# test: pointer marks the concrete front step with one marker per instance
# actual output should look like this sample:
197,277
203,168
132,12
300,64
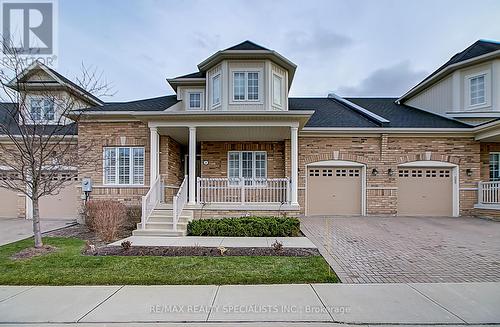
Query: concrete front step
158,232
167,219
163,225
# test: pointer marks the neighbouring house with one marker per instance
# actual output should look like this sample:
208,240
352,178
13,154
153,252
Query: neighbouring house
232,142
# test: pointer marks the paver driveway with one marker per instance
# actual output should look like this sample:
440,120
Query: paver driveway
408,249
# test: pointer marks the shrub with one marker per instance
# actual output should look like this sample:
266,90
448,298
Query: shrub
106,218
133,217
245,226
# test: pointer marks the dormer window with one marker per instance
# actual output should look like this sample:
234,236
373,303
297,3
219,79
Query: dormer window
246,86
195,101
477,90
42,110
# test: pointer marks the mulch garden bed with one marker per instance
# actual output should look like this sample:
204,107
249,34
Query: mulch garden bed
84,233
181,251
29,253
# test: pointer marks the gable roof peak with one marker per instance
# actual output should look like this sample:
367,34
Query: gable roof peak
246,45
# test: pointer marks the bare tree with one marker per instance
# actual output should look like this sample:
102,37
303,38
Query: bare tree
38,125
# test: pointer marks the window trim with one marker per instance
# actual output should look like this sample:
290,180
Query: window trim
213,103
240,167
489,166
189,93
117,166
259,85
281,78
467,90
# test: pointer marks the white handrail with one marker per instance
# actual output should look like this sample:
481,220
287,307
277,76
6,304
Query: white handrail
179,202
243,190
489,192
150,201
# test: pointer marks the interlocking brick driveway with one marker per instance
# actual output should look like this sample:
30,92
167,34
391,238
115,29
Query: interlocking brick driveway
408,249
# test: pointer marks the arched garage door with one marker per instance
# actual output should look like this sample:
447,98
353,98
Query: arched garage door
425,191
334,190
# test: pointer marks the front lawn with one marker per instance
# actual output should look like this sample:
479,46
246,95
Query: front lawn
67,266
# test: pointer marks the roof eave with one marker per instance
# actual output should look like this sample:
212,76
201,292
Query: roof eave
422,85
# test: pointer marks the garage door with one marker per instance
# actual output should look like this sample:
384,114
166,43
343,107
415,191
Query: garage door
64,205
8,203
334,191
425,192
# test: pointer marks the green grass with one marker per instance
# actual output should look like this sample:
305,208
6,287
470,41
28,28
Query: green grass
68,266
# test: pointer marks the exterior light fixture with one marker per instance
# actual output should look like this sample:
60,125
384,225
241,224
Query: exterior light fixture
390,172
468,171
374,172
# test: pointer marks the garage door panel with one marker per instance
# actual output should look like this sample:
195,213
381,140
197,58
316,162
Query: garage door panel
334,191
8,203
63,205
425,192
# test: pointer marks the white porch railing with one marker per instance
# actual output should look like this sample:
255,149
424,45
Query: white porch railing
489,193
242,190
151,200
179,201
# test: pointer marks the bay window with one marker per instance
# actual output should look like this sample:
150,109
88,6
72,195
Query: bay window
246,86
277,90
216,90
249,165
123,166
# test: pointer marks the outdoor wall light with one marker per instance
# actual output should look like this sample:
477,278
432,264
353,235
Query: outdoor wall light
468,171
390,172
374,172
205,162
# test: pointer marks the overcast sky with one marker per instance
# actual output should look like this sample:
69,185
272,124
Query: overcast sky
353,48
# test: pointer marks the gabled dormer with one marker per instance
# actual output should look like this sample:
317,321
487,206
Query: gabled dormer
245,77
44,95
466,87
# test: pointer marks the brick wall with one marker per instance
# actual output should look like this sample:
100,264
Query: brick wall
216,155
486,148
93,137
384,152
171,167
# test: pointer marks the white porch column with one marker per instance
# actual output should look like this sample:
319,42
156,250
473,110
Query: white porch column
294,143
154,145
192,165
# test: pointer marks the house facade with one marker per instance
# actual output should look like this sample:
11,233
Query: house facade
232,142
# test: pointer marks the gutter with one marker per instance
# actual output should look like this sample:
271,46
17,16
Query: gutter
416,89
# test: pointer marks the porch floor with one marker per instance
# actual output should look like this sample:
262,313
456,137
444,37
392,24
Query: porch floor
262,242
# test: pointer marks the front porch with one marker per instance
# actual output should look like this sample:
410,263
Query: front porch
220,168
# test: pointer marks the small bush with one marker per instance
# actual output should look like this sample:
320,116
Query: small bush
245,226
106,218
133,217
126,245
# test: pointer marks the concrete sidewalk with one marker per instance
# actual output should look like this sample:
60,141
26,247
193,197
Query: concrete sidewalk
421,304
212,241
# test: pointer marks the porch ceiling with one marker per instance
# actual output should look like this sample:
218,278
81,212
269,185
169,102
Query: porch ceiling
230,133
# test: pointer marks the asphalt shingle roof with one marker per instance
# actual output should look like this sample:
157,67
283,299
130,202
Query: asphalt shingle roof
193,75
246,46
478,48
332,113
153,104
328,112
8,113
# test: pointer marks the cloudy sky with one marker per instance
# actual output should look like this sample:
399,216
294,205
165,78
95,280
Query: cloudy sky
353,48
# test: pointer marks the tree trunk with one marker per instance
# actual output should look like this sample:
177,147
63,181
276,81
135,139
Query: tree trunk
37,232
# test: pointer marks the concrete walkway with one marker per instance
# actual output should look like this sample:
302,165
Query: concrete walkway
235,242
16,229
451,304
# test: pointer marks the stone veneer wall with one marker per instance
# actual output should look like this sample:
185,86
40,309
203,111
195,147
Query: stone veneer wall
384,152
216,155
93,137
171,167
486,148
